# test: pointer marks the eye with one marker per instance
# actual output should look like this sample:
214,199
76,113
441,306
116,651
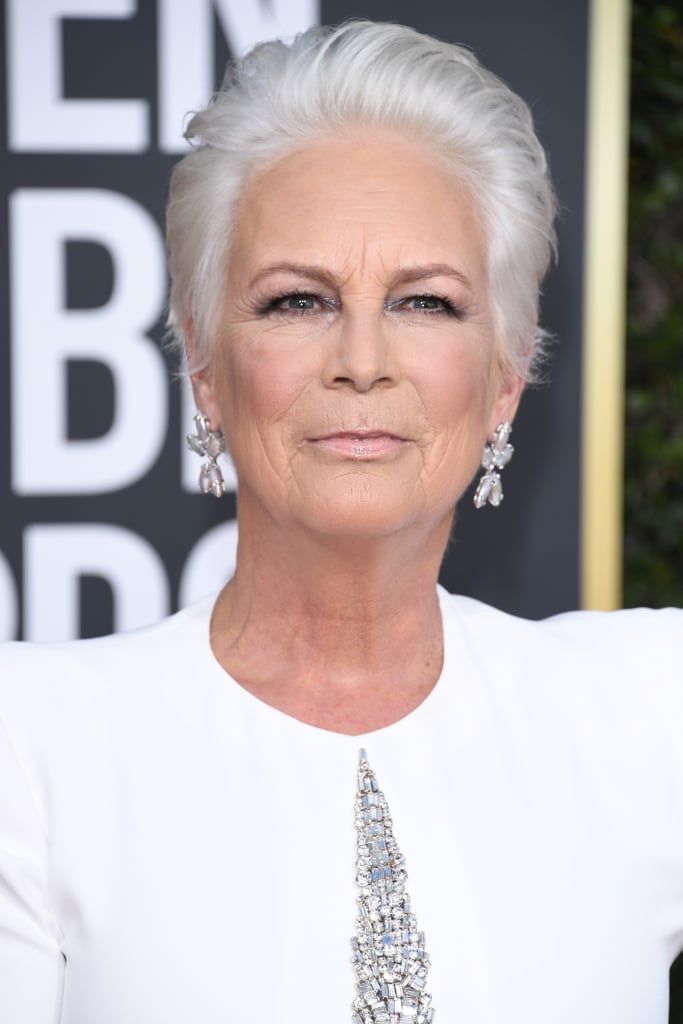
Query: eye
428,304
298,302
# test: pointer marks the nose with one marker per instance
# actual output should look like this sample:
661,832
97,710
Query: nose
361,354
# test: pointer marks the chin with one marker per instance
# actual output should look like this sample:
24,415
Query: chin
363,509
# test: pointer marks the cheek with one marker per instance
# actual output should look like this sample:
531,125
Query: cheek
260,388
457,394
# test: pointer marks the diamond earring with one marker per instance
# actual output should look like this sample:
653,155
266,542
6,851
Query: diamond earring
208,444
497,454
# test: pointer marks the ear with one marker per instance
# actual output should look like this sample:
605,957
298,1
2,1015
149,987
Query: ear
202,380
504,409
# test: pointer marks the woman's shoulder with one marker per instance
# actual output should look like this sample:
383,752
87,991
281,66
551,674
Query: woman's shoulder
145,655
589,675
637,625
624,643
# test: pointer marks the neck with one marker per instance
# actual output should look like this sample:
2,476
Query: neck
345,634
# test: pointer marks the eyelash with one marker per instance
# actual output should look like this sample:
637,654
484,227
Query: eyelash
275,305
447,307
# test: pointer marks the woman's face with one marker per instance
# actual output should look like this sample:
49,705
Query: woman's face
355,371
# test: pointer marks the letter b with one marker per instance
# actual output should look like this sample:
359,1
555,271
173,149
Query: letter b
46,335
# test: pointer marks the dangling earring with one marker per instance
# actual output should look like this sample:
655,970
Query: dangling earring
496,455
209,444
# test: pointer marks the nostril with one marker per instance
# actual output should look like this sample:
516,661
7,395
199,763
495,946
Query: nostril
359,384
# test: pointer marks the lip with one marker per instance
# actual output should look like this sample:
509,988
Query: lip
359,444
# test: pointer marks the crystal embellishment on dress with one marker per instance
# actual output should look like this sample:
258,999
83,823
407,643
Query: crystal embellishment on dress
389,957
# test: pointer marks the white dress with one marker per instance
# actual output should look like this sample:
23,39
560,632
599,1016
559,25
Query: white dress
174,851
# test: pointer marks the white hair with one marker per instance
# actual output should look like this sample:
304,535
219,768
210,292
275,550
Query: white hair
280,98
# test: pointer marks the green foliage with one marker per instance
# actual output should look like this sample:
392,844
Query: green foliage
654,389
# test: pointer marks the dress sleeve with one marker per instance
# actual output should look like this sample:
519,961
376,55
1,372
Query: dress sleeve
31,961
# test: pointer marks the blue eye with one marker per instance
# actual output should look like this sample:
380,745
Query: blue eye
297,302
428,304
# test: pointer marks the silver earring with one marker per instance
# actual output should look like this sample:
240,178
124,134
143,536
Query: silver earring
497,454
209,444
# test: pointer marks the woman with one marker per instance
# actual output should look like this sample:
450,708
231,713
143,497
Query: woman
357,242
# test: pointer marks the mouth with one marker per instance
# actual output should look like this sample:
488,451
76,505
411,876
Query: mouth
359,444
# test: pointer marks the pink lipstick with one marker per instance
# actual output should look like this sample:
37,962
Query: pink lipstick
359,444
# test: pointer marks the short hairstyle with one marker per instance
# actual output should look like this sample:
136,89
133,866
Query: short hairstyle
280,98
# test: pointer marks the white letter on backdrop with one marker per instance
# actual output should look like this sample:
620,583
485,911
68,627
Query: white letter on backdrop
57,555
186,49
8,602
45,336
40,119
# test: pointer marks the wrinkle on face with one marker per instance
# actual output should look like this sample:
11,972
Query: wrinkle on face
361,221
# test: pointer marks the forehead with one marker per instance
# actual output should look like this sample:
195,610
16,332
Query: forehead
364,196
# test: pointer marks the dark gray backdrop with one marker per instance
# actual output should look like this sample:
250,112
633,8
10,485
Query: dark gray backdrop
522,557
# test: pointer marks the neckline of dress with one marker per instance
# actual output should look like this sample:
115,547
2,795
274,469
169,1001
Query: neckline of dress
295,726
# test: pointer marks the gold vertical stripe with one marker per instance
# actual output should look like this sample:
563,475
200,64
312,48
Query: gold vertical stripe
604,305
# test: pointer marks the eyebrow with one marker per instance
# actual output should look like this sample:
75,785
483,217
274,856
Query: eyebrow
421,273
404,276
